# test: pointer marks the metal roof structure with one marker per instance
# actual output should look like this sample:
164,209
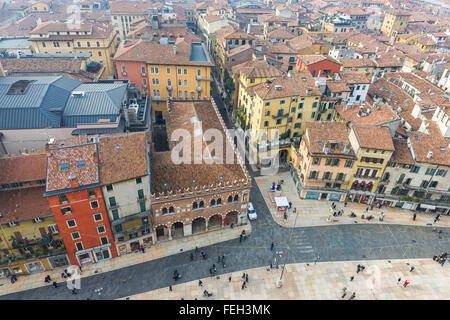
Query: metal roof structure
90,102
53,102
38,103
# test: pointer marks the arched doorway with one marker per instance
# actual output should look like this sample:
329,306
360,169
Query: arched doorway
162,233
198,225
177,230
231,218
215,222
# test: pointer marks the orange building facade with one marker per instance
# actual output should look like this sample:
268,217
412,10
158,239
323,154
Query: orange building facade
75,197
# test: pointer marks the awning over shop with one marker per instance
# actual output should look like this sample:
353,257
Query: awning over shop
282,202
427,206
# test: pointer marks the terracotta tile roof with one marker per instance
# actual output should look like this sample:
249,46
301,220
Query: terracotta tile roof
357,63
239,35
354,11
254,11
238,50
388,61
297,84
401,153
87,175
95,31
315,58
256,30
211,19
280,33
301,42
273,18
23,168
374,117
23,204
422,144
354,77
122,157
365,136
129,7
259,69
155,53
427,41
337,86
166,175
318,133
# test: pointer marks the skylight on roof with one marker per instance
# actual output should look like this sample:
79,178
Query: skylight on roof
64,166
319,143
81,163
19,87
442,149
417,138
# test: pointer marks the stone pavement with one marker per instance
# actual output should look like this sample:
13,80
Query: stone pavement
321,281
316,212
156,251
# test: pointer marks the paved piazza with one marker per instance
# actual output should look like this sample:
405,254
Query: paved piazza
379,281
332,242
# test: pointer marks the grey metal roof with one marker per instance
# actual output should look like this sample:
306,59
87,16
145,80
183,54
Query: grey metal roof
100,101
38,106
198,53
15,43
119,128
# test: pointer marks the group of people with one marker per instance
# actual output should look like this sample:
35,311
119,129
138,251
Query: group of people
441,258
243,236
176,275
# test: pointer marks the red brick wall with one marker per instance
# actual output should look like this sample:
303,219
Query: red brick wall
84,218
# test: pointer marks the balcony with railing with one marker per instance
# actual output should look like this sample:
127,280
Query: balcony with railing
133,230
360,176
139,215
318,179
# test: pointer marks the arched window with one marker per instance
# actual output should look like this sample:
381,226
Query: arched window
194,205
201,205
164,211
219,201
236,198
213,203
230,199
170,209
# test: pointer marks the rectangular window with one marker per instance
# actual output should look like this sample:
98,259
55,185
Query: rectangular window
118,228
138,180
112,201
297,125
71,223
104,240
290,119
314,105
316,161
75,235
168,70
185,83
282,101
179,70
64,166
145,220
66,210
109,187
348,163
91,193
79,246
141,193
328,162
185,71
267,104
300,105
142,206
313,115
266,123
63,199
101,229
94,204
299,116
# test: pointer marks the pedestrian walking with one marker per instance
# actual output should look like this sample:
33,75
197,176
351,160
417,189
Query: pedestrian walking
223,257
191,257
240,238
353,296
412,268
196,250
231,226
170,288
344,292
345,203
271,266
398,281
295,210
55,285
367,210
243,285
74,291
317,259
243,276
245,237
200,283
358,268
271,246
290,205
142,249
406,283
352,277
382,216
218,259
414,217
246,278
229,279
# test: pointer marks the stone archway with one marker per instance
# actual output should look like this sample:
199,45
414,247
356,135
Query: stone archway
198,225
231,218
162,233
215,222
177,230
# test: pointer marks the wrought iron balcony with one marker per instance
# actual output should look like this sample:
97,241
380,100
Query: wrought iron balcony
28,243
134,230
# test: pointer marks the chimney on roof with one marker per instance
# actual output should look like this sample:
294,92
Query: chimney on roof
175,50
73,181
430,153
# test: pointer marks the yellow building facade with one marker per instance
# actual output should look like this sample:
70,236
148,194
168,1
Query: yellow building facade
372,157
97,39
395,21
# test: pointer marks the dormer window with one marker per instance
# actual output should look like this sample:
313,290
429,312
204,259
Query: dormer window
64,166
81,163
